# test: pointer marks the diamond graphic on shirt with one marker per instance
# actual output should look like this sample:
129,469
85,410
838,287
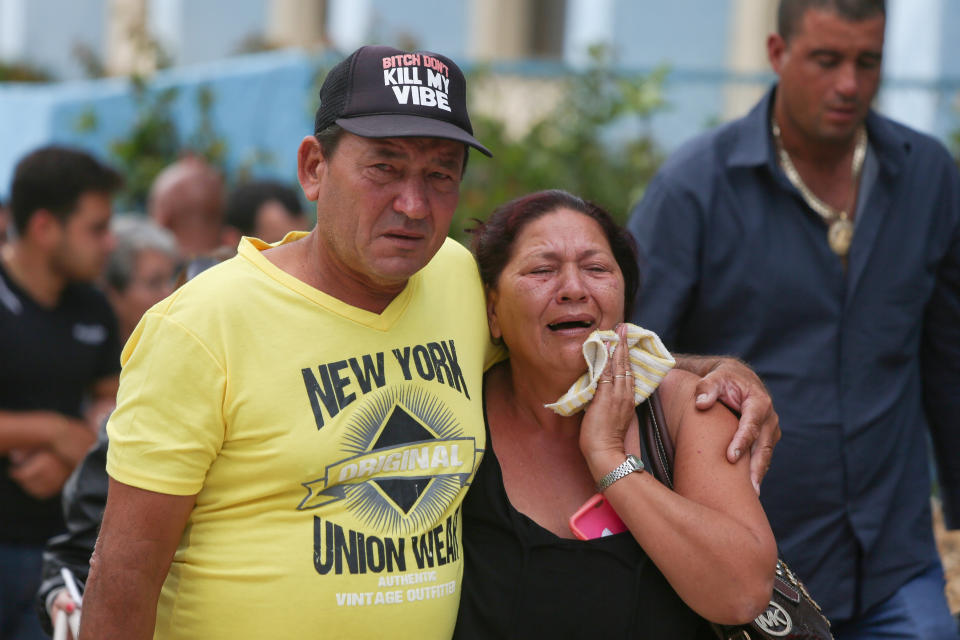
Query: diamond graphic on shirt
403,492
406,460
399,429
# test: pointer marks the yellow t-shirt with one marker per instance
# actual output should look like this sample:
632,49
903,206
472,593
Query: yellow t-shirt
329,447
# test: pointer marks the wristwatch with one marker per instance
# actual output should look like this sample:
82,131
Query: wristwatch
625,468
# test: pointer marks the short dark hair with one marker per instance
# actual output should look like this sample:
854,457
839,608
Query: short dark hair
54,178
329,137
245,201
790,12
493,240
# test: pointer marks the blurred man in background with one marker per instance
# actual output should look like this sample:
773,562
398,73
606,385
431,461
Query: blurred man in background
262,209
820,242
60,360
187,198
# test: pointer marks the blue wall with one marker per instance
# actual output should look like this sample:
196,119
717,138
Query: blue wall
690,36
263,103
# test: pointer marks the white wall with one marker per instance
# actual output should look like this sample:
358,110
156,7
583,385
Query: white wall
912,55
43,33
194,31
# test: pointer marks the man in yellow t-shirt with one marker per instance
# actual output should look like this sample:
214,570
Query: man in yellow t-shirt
296,428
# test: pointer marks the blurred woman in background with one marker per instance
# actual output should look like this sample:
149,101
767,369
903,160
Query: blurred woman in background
140,271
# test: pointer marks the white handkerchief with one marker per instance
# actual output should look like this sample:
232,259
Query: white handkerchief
649,362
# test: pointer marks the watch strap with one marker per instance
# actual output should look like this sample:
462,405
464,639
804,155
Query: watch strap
625,468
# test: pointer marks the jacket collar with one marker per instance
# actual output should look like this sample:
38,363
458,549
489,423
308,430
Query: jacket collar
753,143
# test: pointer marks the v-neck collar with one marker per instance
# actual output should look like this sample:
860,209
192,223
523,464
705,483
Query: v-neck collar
252,249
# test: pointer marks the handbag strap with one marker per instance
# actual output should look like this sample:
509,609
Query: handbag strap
655,439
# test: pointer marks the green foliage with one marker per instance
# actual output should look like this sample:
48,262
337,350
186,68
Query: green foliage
595,143
89,60
257,157
22,72
151,144
154,142
205,141
955,145
86,122
953,139
256,43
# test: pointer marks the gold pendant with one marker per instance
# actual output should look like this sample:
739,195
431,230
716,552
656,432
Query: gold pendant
839,236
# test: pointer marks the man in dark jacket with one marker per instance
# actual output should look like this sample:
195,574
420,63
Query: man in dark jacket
820,242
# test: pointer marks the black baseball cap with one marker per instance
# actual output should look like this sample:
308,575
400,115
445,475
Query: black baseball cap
382,92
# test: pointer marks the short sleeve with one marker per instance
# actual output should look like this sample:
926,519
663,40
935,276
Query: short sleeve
168,425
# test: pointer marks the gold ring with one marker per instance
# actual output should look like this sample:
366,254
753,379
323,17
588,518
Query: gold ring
604,381
618,376
628,374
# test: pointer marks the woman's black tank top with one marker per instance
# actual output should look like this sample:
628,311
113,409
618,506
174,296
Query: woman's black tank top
522,581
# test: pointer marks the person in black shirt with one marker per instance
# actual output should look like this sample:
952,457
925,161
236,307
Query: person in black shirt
58,374
557,269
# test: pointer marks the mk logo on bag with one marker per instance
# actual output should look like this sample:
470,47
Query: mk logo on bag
775,620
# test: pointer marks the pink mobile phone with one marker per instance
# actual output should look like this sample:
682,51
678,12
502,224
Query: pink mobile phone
596,519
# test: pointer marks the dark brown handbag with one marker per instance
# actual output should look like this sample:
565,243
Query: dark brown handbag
792,614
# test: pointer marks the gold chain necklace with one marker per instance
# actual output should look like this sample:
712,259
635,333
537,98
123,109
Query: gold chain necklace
839,224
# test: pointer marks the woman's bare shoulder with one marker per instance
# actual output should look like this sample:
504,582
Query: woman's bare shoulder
678,395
